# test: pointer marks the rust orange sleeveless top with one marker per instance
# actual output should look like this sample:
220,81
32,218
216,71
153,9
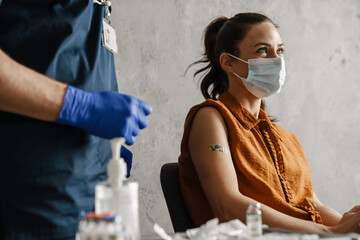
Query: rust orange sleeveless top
270,164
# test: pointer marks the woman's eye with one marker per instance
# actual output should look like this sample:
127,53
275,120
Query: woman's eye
281,51
261,50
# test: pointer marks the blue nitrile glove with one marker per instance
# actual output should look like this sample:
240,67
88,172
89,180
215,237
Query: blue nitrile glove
127,155
106,114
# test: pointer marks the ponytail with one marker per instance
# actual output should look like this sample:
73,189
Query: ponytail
214,81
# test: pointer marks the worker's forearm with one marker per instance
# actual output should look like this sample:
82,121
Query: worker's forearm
26,92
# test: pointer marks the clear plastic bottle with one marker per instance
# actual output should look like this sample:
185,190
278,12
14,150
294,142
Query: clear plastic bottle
103,198
122,200
118,195
254,220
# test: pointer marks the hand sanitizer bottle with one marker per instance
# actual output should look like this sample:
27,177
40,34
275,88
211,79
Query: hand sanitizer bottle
118,195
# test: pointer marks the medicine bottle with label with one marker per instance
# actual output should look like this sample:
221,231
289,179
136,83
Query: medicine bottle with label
253,220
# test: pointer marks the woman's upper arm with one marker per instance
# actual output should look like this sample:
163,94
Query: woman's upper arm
214,168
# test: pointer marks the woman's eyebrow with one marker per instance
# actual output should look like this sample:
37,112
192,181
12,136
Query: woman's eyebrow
262,43
268,44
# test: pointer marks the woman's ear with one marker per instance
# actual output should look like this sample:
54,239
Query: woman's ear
226,62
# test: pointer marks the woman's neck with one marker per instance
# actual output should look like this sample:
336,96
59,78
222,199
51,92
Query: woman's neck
246,99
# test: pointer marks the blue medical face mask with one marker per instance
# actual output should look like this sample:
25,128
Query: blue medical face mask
266,75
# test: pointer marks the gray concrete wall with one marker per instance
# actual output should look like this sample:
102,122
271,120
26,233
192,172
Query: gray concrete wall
158,39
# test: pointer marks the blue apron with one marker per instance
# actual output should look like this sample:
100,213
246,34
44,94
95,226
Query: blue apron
48,171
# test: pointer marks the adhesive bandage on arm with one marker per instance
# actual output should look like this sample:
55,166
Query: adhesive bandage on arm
215,147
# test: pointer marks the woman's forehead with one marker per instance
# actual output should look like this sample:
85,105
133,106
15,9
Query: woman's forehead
263,32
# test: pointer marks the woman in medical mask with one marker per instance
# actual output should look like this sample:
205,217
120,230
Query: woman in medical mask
232,154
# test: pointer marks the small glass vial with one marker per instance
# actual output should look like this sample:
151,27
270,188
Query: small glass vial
253,220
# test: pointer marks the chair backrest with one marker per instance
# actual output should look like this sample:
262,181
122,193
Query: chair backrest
169,178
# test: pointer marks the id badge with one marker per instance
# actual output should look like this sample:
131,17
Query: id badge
108,37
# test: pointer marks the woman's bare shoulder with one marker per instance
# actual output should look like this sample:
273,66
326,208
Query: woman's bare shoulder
208,123
208,113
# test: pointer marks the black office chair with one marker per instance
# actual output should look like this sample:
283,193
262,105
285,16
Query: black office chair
169,178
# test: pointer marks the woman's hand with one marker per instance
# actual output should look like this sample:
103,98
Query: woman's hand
350,222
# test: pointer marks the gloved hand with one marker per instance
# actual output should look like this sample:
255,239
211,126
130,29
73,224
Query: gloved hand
127,155
106,114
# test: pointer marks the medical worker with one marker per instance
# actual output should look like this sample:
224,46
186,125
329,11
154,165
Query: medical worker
59,106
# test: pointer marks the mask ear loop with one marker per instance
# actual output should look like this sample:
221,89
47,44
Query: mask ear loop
237,75
237,58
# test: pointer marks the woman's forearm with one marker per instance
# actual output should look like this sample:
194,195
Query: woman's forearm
330,216
274,219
